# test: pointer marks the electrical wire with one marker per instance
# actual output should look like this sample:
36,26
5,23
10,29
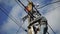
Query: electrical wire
15,21
22,8
49,25
51,29
18,3
47,5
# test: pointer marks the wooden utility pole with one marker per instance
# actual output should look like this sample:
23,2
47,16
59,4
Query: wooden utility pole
32,15
30,28
42,21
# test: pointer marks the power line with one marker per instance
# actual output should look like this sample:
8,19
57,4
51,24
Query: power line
51,29
47,5
21,7
15,21
18,4
49,25
14,18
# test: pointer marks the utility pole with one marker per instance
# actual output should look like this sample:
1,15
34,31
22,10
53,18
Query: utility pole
34,18
31,29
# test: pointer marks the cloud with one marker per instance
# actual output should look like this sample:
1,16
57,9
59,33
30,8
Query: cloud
10,27
53,18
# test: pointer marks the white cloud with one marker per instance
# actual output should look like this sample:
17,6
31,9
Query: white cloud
11,26
53,18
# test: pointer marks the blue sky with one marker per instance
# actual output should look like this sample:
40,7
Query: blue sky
7,26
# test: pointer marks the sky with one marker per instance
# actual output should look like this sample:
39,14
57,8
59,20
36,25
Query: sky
16,12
